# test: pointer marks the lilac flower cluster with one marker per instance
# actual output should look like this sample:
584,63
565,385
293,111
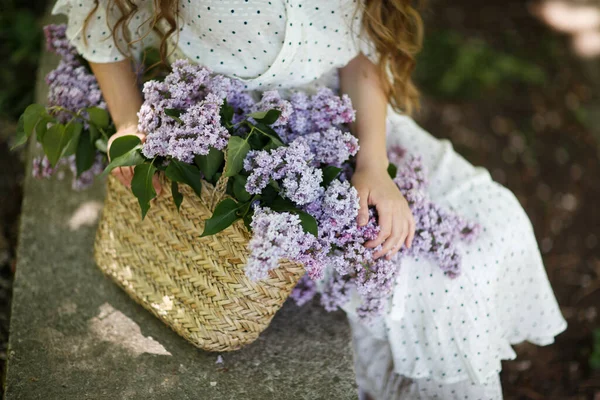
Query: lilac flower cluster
332,146
70,86
271,100
190,91
322,111
353,268
275,236
41,169
290,166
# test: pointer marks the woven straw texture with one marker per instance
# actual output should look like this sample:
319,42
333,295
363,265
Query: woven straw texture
196,285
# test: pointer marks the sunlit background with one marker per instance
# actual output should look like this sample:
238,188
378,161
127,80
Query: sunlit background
515,86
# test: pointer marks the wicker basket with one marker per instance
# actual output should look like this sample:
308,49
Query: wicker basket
196,285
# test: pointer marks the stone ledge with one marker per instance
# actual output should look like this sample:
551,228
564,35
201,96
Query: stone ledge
76,335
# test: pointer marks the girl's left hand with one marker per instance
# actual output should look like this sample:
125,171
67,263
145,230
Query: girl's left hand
396,222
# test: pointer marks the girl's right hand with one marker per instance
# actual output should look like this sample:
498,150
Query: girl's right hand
125,174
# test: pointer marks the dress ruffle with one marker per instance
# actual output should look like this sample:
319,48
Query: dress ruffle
453,330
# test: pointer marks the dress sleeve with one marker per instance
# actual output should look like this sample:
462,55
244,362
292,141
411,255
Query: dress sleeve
95,42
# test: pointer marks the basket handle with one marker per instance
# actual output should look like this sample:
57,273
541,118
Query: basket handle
220,187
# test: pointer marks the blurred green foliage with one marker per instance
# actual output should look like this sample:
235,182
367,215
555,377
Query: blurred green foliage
456,67
21,38
595,356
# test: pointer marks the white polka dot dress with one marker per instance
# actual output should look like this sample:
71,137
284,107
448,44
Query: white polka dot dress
440,338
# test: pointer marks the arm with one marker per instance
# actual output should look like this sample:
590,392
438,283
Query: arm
118,83
360,80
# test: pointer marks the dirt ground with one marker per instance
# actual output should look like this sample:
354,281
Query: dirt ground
512,97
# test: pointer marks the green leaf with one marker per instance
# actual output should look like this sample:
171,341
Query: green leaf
329,174
177,196
22,137
392,170
181,172
99,117
309,223
32,116
270,133
85,154
266,117
210,163
122,145
55,141
73,131
142,187
174,113
101,144
42,127
132,157
239,188
224,215
226,113
237,149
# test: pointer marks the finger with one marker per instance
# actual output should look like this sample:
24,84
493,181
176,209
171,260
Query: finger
385,224
141,136
400,242
392,241
411,233
127,175
156,184
117,174
363,210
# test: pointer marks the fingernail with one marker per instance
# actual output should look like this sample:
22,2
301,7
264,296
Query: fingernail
362,220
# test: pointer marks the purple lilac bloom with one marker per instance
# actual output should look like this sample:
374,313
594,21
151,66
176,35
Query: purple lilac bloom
58,43
304,291
72,87
272,100
86,178
190,90
322,111
331,147
275,236
290,166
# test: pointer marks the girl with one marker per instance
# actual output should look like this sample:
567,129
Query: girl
439,338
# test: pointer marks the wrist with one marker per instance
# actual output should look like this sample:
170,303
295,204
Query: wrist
372,163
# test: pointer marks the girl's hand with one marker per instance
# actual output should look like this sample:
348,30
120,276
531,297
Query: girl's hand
125,174
376,188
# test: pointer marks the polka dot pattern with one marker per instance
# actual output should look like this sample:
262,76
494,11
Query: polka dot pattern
455,332
440,338
277,44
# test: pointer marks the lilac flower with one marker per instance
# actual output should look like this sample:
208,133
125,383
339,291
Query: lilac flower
272,100
331,147
304,291
328,109
72,87
275,236
58,43
42,169
320,112
290,166
190,90
86,178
